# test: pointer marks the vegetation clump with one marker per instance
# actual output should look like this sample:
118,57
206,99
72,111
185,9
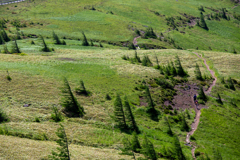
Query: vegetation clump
119,116
81,90
3,116
84,42
56,115
45,47
149,33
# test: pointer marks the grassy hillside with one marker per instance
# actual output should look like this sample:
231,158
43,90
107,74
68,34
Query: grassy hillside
116,21
28,97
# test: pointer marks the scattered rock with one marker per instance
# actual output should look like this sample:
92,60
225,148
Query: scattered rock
26,105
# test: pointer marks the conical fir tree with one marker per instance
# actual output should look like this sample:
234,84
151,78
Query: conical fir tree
180,70
1,40
198,73
71,106
178,149
56,39
15,48
135,143
118,113
63,143
202,22
219,99
184,126
201,94
5,36
85,42
129,116
151,106
169,130
148,149
45,47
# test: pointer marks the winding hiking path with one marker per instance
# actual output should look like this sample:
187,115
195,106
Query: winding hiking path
135,40
198,112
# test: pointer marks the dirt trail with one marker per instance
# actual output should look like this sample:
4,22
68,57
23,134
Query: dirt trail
198,112
135,40
17,1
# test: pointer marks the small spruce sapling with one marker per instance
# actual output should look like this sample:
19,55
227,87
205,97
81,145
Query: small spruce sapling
56,115
84,42
63,150
119,113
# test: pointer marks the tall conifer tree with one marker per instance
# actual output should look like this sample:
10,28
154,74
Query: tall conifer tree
85,42
202,22
118,113
198,73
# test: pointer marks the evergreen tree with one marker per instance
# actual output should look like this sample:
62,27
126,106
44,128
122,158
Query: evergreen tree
224,14
56,38
18,36
202,22
184,125
148,149
32,42
15,48
108,97
71,106
5,36
234,51
131,46
178,149
56,115
1,40
158,66
118,113
45,47
5,49
100,45
201,94
85,42
92,43
180,70
137,58
82,90
64,43
3,116
198,73
187,113
129,116
169,130
173,69
63,143
149,33
146,61
151,106
230,84
135,143
127,146
219,99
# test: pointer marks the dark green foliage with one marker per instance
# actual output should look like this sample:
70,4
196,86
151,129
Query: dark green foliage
64,43
175,111
149,33
118,113
100,45
223,14
56,115
135,143
178,149
179,68
171,23
131,46
216,154
184,125
1,40
169,130
201,94
222,80
158,66
5,49
124,57
187,113
230,84
234,51
202,22
201,9
3,116
198,73
36,119
148,149
84,42
197,153
91,43
137,58
63,143
81,90
71,106
9,78
108,97
127,147
56,38
32,42
18,36
219,100
151,105
45,47
15,48
146,61
164,84
5,36
130,120
137,32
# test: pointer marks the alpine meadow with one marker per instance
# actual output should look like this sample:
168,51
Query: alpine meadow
119,80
